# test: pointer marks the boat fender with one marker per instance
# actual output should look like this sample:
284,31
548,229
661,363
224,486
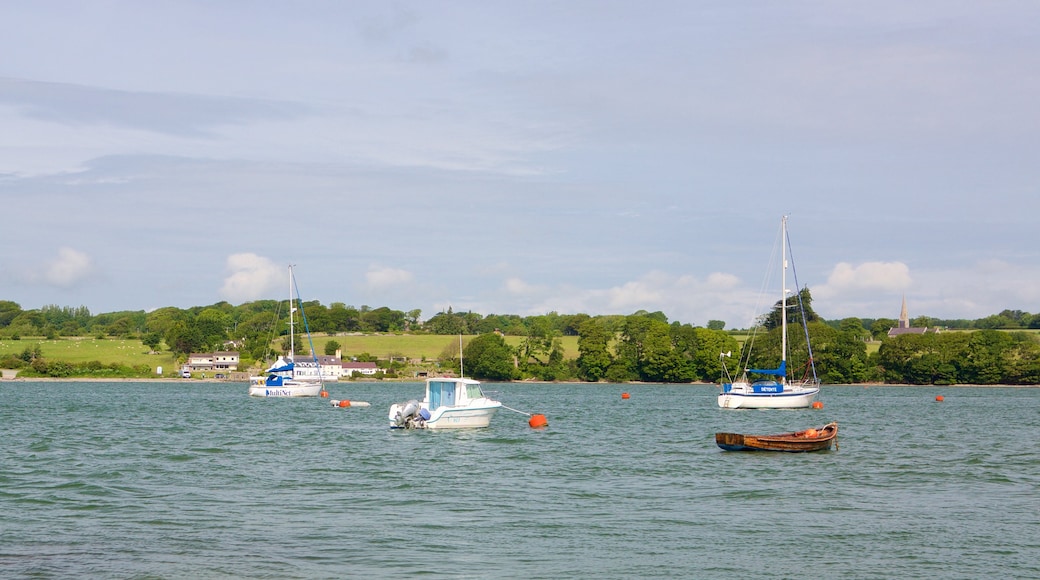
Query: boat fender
425,414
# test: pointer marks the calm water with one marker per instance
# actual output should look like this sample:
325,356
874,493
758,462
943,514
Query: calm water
175,480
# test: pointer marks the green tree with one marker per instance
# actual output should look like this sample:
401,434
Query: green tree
331,347
489,357
593,350
880,327
795,304
707,363
152,340
716,325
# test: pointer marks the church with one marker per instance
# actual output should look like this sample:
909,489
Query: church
903,326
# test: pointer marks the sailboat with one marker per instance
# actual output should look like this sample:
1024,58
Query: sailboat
773,390
281,380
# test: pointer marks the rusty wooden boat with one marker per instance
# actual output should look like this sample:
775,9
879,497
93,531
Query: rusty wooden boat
798,441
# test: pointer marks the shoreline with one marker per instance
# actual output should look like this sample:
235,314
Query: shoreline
330,383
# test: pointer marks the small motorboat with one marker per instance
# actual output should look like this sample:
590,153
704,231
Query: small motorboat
807,440
450,403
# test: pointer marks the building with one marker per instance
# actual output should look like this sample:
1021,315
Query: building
365,368
219,361
903,326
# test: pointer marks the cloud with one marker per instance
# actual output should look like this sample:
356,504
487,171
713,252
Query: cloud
169,113
252,277
868,277
69,268
684,298
383,278
517,286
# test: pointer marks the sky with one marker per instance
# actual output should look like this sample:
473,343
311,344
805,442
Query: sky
522,157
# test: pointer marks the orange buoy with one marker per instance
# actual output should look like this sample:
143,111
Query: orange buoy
939,398
344,403
810,433
324,394
624,395
817,404
537,421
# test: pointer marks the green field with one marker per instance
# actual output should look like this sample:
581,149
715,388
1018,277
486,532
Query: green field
81,350
415,346
134,353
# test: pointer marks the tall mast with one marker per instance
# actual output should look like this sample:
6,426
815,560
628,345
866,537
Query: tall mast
292,334
783,298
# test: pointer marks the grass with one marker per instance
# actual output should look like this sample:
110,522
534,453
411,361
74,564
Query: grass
134,353
81,350
415,346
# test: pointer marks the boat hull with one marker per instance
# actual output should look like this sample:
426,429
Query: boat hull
462,417
797,442
793,399
286,390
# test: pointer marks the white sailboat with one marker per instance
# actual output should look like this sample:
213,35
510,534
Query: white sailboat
774,391
280,380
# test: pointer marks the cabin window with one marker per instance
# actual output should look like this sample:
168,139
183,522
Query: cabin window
473,392
441,393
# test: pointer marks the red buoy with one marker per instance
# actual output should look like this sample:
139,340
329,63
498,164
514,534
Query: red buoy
817,405
537,421
344,403
939,398
624,395
324,394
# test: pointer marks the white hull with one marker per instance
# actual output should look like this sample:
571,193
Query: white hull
462,418
795,399
294,390
456,404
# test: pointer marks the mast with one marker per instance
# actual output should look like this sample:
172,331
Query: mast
783,297
292,334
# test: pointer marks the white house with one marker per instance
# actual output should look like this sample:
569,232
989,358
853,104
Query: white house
365,368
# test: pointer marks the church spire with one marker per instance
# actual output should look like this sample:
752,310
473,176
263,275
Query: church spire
904,317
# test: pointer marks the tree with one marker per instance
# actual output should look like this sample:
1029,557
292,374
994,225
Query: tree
488,356
184,338
880,327
152,340
707,363
795,305
593,350
716,325
331,347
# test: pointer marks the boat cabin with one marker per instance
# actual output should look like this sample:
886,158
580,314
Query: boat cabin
451,392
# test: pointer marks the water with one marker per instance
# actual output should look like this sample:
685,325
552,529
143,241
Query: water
175,480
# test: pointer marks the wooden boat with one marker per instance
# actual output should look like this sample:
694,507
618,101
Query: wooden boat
807,440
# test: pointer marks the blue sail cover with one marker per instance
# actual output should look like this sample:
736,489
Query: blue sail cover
282,369
779,372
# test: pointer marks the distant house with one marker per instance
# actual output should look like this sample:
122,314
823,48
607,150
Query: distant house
331,368
365,368
903,326
219,361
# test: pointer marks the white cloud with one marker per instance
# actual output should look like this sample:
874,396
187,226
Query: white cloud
685,298
868,277
518,286
388,278
252,277
69,268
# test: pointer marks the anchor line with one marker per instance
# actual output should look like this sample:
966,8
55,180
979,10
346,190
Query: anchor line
515,411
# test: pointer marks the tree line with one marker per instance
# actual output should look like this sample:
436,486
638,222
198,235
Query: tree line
643,346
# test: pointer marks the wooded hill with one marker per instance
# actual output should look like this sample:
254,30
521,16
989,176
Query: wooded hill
617,348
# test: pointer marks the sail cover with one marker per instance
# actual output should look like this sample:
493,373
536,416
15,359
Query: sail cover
779,372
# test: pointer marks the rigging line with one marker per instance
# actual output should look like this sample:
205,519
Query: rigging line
515,411
801,308
306,328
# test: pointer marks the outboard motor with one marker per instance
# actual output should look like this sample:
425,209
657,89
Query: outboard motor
406,415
